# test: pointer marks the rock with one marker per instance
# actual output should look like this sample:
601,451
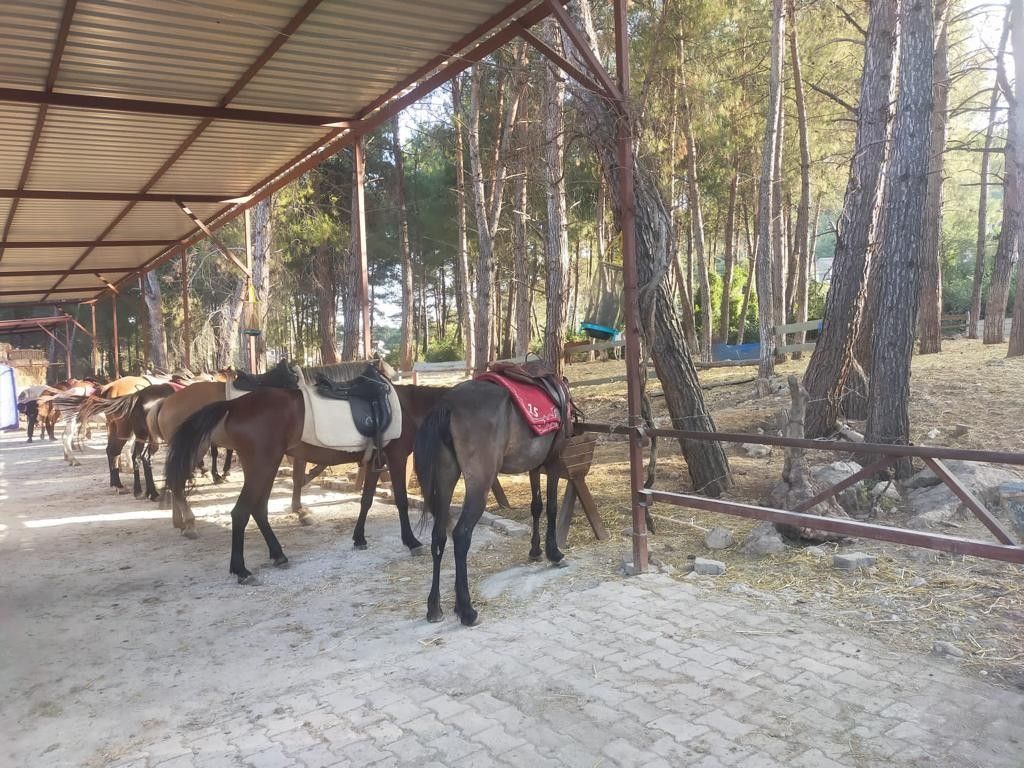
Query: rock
719,538
852,561
660,566
946,648
923,479
959,430
756,451
504,525
853,500
626,567
938,505
885,495
1010,499
820,550
706,567
763,540
933,434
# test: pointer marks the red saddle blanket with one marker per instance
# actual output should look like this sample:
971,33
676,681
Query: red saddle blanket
534,404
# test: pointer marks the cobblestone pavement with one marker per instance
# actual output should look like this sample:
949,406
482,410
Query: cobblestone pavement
127,646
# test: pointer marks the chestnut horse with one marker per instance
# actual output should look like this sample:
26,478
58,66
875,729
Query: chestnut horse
264,426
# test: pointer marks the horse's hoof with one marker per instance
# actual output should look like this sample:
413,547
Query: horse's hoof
469,617
560,563
281,560
121,491
249,581
190,533
306,517
434,618
536,558
418,551
359,545
218,480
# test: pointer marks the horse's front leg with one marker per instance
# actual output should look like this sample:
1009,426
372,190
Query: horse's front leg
137,451
554,555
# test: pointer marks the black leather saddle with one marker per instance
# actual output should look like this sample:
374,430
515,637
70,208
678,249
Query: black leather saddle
368,396
281,376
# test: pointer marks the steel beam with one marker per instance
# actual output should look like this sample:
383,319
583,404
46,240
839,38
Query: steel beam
843,526
557,59
171,109
95,349
620,92
136,197
117,340
224,250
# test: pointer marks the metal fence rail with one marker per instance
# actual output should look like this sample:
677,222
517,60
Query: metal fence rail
1006,550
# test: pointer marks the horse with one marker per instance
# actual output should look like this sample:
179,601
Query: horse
264,426
477,432
165,416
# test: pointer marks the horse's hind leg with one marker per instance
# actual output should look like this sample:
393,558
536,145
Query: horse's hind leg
536,507
370,479
554,555
115,445
228,453
446,476
137,451
259,512
214,475
306,517
147,467
397,462
462,537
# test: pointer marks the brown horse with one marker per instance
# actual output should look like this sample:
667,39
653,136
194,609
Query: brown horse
264,426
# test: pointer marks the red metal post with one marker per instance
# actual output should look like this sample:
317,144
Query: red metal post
117,341
359,203
186,324
67,347
95,350
250,295
627,206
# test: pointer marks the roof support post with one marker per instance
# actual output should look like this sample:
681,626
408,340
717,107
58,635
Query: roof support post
359,220
95,350
67,348
186,326
117,341
627,205
250,294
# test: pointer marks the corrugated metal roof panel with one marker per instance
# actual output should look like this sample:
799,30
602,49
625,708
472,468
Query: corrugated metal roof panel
25,298
82,149
62,219
118,256
19,259
231,156
183,51
27,34
158,221
17,122
348,53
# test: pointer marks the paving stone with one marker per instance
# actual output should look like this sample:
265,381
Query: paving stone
706,567
852,561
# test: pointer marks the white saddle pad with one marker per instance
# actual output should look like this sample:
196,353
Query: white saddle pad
328,423
231,393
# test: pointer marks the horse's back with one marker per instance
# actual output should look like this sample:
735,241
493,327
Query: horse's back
126,385
183,403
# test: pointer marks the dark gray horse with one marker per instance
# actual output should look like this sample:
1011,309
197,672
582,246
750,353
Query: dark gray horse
476,432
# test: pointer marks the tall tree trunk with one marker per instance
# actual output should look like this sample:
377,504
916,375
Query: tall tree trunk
741,325
262,218
725,313
556,233
986,155
780,256
467,319
929,316
766,241
1009,235
902,235
520,260
405,355
802,245
225,332
488,208
348,288
156,339
696,213
706,460
326,291
825,380
1016,346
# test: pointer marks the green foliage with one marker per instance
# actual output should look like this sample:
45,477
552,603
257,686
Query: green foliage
445,350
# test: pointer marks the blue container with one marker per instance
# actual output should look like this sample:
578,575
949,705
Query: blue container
595,331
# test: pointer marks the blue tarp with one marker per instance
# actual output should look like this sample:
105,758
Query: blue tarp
8,398
735,351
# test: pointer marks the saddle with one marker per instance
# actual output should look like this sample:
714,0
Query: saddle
368,396
281,376
539,374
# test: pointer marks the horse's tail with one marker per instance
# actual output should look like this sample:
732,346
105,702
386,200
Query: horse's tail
119,408
433,440
190,442
69,403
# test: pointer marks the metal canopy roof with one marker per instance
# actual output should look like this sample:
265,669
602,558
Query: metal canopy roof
116,114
